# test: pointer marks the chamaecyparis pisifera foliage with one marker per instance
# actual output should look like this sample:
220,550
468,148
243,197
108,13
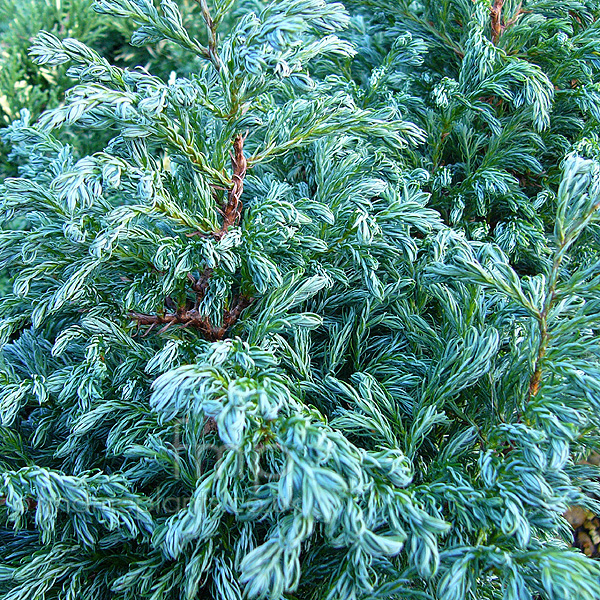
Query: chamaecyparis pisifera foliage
500,110
25,85
499,376
112,229
332,394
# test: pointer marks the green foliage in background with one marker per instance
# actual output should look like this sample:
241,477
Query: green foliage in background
23,84
319,320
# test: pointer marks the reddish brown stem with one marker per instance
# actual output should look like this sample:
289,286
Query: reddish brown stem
30,502
496,14
200,286
233,210
192,318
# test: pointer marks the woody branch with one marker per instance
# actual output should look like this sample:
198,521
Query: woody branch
496,15
190,316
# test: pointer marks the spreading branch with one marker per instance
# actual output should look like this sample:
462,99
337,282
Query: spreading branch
190,316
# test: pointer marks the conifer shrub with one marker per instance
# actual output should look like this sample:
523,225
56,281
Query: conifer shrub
319,321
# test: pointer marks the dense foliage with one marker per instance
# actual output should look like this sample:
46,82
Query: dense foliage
319,319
